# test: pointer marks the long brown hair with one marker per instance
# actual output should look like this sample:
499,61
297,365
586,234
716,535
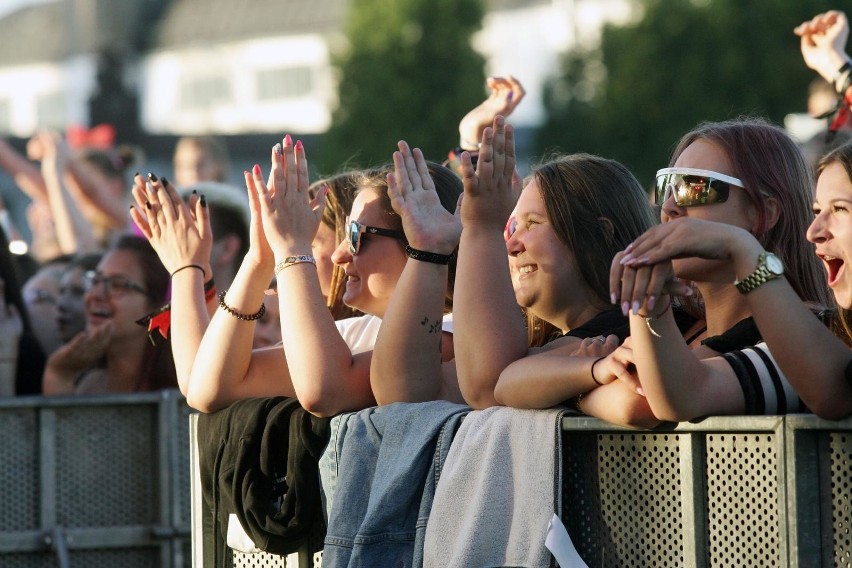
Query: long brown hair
771,165
159,366
842,324
341,192
596,207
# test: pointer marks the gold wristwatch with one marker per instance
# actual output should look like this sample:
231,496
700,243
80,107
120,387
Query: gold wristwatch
769,267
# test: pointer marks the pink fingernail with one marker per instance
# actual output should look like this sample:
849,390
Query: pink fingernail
629,248
613,298
652,300
288,141
625,307
256,169
298,144
625,259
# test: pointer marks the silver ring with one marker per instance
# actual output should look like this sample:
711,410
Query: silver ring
599,338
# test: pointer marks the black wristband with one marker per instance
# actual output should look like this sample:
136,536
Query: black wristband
425,256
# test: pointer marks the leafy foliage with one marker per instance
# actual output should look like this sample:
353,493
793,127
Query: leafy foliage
410,73
682,63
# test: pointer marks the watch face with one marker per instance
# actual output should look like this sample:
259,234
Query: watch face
774,264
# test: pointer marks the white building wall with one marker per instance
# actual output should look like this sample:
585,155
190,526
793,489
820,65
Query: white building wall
163,110
22,87
530,42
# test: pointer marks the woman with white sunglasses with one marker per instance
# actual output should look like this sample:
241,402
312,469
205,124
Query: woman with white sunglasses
735,204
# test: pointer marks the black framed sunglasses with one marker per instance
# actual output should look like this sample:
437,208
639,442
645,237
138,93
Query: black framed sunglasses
691,187
356,230
113,285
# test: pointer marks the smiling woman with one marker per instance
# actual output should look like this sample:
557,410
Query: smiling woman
113,353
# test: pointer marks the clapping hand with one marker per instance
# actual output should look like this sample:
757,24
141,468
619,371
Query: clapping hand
427,224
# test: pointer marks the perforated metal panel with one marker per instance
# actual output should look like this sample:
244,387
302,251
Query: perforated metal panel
95,478
621,498
100,482
26,561
841,497
19,474
743,500
125,558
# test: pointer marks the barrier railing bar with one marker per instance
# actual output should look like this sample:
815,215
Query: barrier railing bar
693,497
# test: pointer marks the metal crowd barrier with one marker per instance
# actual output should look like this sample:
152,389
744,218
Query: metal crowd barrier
725,491
95,481
106,482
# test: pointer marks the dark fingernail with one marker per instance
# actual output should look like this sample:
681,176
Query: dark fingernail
165,181
152,177
147,204
194,192
203,200
131,208
136,175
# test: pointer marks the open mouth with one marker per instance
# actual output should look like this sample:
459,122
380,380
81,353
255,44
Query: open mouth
527,269
834,266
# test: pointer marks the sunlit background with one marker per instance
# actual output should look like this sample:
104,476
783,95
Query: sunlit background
621,78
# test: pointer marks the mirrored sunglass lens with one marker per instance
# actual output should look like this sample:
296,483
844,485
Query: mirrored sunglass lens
353,237
662,186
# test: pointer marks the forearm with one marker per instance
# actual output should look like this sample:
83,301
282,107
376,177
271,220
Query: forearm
94,197
617,403
73,233
326,378
489,328
807,352
26,174
677,385
406,364
545,380
189,320
221,365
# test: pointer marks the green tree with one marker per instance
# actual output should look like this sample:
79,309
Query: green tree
409,73
683,62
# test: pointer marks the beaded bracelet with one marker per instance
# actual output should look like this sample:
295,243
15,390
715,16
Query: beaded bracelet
291,260
238,315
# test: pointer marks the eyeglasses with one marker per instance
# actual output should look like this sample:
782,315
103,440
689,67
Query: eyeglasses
114,286
356,229
691,187
39,297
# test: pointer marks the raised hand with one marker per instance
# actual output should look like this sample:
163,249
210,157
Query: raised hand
823,42
180,233
490,192
290,218
505,94
427,224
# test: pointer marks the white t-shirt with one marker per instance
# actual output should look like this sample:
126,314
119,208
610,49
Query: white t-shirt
360,332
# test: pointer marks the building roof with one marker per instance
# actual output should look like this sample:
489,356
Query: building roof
44,32
34,33
186,22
